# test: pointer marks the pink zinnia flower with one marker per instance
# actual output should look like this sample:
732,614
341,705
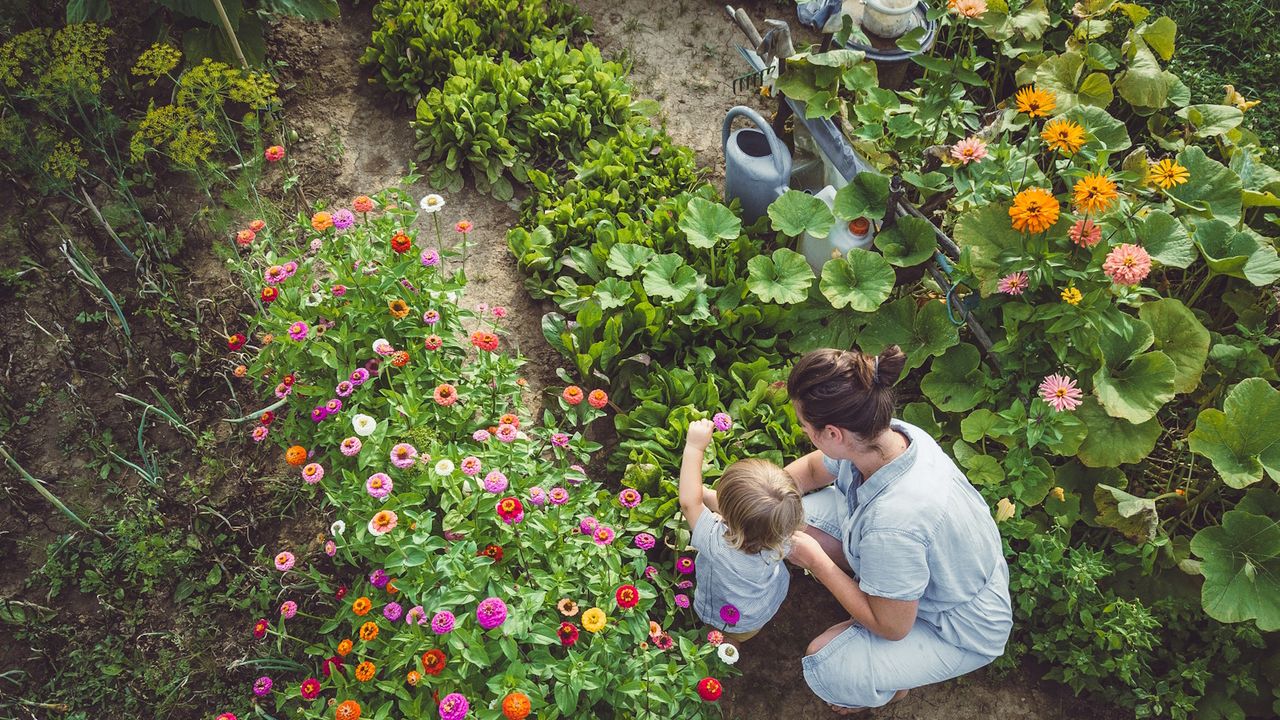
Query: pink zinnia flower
463,226
285,561
416,615
491,613
430,257
288,609
603,535
454,706
338,290
722,421
392,611
343,219
1127,264
344,388
1013,284
495,482
379,485
971,149
350,446
431,317
330,548
383,522
359,376
499,311
443,622
507,432
630,497
1085,233
481,435
645,541
588,525
715,637
537,496
682,600
1060,392
470,465
298,331
260,433
559,439
312,473
558,496
404,455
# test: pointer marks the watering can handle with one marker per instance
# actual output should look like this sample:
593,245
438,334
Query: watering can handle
781,155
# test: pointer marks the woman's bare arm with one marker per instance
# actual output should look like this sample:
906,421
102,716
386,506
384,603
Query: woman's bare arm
810,473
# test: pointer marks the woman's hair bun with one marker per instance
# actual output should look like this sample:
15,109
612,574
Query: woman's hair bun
889,364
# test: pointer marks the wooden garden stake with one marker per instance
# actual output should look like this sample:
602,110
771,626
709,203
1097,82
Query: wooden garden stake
231,33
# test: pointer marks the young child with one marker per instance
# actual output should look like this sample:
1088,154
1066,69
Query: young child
740,530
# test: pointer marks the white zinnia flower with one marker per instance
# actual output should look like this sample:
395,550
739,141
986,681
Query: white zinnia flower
337,528
364,425
444,467
431,203
728,653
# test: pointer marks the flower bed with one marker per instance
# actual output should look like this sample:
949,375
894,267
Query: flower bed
473,570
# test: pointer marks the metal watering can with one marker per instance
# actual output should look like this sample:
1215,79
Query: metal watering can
757,166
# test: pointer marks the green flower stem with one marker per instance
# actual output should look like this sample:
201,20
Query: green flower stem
47,495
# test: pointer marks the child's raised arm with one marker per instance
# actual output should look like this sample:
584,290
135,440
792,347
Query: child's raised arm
695,444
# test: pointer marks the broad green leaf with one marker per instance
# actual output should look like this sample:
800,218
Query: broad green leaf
1143,84
797,213
206,11
861,280
1034,483
1241,569
1066,434
1101,128
1166,240
954,382
612,293
867,195
1060,74
921,334
1113,441
983,470
668,276
909,241
1121,337
837,58
81,11
1160,36
988,241
920,414
1238,253
1133,516
1211,188
627,259
1243,439
1211,120
785,278
306,9
1178,334
1137,391
705,223
978,424
1032,20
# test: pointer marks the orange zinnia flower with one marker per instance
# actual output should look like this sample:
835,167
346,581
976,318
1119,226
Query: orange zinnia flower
1034,210
1168,173
445,394
398,308
365,671
295,455
1094,193
400,358
362,204
344,647
362,606
1035,102
516,706
1063,135
321,221
369,631
348,710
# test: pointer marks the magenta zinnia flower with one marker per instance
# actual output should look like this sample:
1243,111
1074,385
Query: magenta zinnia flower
730,614
359,376
682,600
1127,264
262,686
971,149
587,525
310,689
722,421
559,439
343,219
1061,392
491,612
298,331
344,388
379,578
378,485
454,707
684,564
645,541
392,611
319,413
442,622
1013,284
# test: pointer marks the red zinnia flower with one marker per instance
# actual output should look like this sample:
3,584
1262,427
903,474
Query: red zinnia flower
709,689
274,153
260,629
433,342
257,226
341,593
328,666
401,243
310,689
237,341
598,398
627,596
433,661
492,551
511,510
568,633
269,294
288,380
484,340
267,418
244,238
572,395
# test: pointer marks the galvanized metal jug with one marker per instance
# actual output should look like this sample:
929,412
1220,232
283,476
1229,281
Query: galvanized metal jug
757,166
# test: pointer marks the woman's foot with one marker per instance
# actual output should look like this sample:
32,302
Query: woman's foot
853,711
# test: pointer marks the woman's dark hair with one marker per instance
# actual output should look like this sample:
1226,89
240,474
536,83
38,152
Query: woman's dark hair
846,388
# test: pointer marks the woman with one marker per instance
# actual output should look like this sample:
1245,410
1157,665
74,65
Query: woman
896,533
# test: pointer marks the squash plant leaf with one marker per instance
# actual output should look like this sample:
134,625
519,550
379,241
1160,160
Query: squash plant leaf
1179,335
785,278
668,276
1112,441
954,383
1137,391
1243,439
1166,239
867,195
705,223
1133,516
910,241
861,280
1241,569
626,258
796,213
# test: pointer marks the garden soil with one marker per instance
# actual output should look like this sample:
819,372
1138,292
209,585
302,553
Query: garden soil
355,138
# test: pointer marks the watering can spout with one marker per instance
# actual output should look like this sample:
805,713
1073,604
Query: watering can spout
757,164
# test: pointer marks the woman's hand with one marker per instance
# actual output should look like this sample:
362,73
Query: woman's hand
806,552
699,436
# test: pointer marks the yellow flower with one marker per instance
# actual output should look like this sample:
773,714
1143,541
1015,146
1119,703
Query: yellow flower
1063,135
1168,173
1004,510
1058,494
1034,210
1072,296
1094,193
1235,98
1035,102
157,60
593,620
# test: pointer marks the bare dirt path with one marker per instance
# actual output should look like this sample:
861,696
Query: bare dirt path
357,139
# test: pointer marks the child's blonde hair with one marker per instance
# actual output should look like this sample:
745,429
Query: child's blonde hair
760,504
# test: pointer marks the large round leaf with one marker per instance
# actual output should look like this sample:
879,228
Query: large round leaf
954,383
1225,249
1241,569
668,276
1137,391
861,280
867,195
920,334
1122,337
1211,120
1244,440
627,259
909,241
987,235
1179,335
1166,239
796,213
1103,130
1212,187
785,278
1113,441
705,222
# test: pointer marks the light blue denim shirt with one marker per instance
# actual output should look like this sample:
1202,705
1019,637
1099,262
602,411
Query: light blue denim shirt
917,530
756,584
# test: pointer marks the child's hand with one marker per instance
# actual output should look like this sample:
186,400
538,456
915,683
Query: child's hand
699,434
